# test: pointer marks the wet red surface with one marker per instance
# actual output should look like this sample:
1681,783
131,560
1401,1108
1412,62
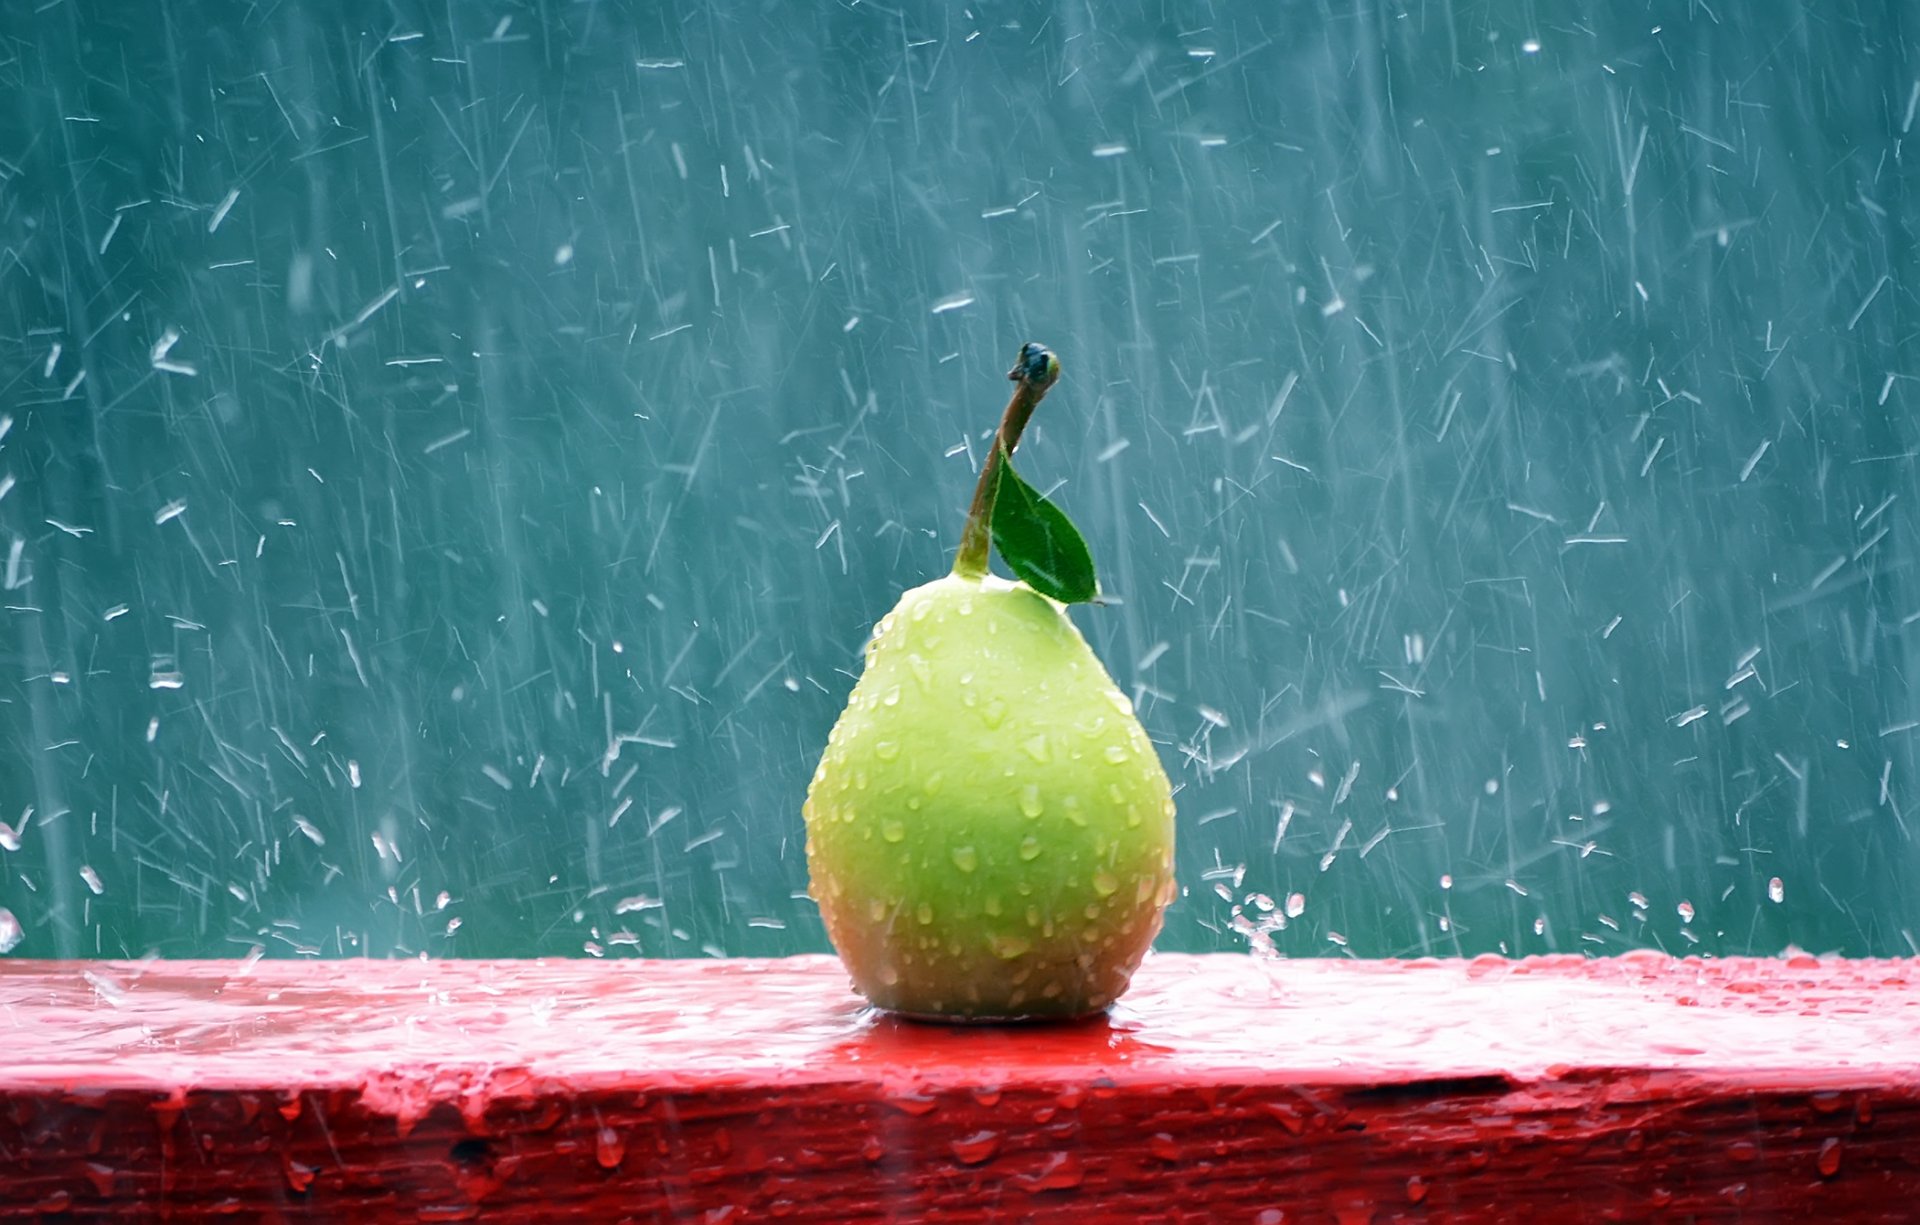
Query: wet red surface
1222,1089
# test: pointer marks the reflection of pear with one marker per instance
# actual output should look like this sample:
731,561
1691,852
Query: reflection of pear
990,833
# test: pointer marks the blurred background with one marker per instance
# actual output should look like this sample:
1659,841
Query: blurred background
451,456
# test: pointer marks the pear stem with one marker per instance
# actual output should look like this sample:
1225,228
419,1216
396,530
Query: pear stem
1034,372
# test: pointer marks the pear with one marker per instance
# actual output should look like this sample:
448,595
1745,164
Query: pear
989,832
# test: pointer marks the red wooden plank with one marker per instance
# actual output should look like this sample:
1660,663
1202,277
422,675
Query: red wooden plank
1222,1089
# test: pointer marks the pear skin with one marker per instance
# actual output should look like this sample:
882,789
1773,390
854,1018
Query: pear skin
989,832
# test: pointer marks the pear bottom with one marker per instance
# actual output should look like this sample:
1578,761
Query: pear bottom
989,832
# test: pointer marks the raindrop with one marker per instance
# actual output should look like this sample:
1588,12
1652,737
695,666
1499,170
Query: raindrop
1685,911
965,858
609,1148
1296,905
1776,890
1058,1172
1829,1159
11,933
976,1148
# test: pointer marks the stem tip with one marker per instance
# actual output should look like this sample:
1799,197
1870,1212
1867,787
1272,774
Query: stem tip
1036,365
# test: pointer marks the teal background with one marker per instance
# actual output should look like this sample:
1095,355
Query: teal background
1494,422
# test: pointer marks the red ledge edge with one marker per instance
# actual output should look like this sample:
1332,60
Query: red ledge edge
1223,1088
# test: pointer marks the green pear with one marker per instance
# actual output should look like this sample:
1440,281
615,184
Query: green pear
990,832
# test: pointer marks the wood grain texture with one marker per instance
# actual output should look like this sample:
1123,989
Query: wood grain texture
1223,1088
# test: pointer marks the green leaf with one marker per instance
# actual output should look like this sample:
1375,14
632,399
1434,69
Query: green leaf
1039,543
